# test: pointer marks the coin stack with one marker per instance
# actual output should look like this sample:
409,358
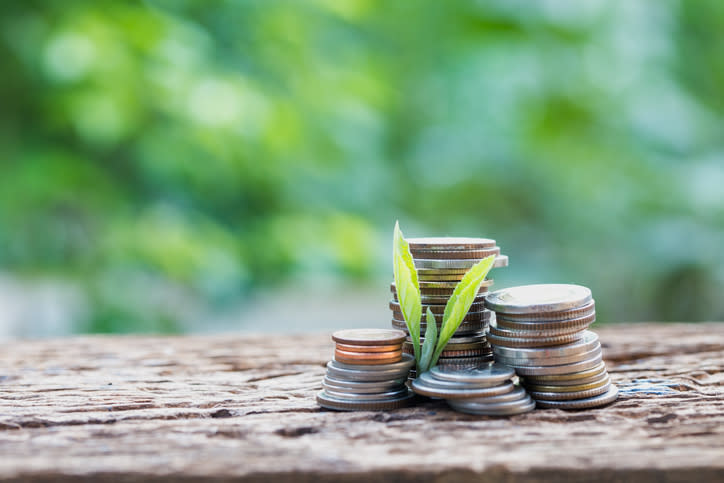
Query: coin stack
441,263
540,330
368,372
484,390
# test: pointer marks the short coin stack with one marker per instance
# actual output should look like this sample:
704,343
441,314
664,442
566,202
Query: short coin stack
368,372
441,263
484,390
540,330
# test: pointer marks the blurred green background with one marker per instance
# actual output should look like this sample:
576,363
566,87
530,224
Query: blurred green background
208,165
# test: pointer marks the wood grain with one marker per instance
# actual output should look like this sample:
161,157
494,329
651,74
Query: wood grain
242,408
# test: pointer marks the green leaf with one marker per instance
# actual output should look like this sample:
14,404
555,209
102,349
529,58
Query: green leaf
428,347
460,302
408,289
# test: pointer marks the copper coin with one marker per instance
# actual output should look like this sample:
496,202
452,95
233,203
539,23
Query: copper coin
366,362
369,336
450,243
369,348
367,356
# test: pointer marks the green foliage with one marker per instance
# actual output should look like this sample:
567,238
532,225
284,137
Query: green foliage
408,289
460,301
220,147
428,347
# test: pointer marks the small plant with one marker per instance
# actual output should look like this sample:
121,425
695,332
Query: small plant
410,300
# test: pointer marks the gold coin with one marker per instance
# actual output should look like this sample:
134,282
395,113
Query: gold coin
570,376
580,387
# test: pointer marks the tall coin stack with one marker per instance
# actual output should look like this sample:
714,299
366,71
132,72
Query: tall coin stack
368,372
441,263
541,331
484,390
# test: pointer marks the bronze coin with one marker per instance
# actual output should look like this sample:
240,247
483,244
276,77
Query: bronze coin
368,356
368,348
366,362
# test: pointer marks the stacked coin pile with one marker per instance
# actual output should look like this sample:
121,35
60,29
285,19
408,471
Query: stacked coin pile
540,330
485,390
441,263
368,372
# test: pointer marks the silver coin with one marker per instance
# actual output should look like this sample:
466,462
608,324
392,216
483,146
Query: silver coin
533,342
528,299
441,271
499,409
368,397
467,362
429,291
406,363
499,331
425,390
562,369
361,387
500,261
466,328
449,243
336,372
467,254
384,385
485,374
548,361
591,402
580,323
570,315
447,263
439,309
516,394
464,363
343,404
431,381
588,341
463,339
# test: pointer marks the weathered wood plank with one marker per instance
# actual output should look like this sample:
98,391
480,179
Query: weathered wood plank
241,408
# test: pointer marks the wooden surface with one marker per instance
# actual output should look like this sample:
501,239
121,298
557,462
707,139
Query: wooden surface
242,408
